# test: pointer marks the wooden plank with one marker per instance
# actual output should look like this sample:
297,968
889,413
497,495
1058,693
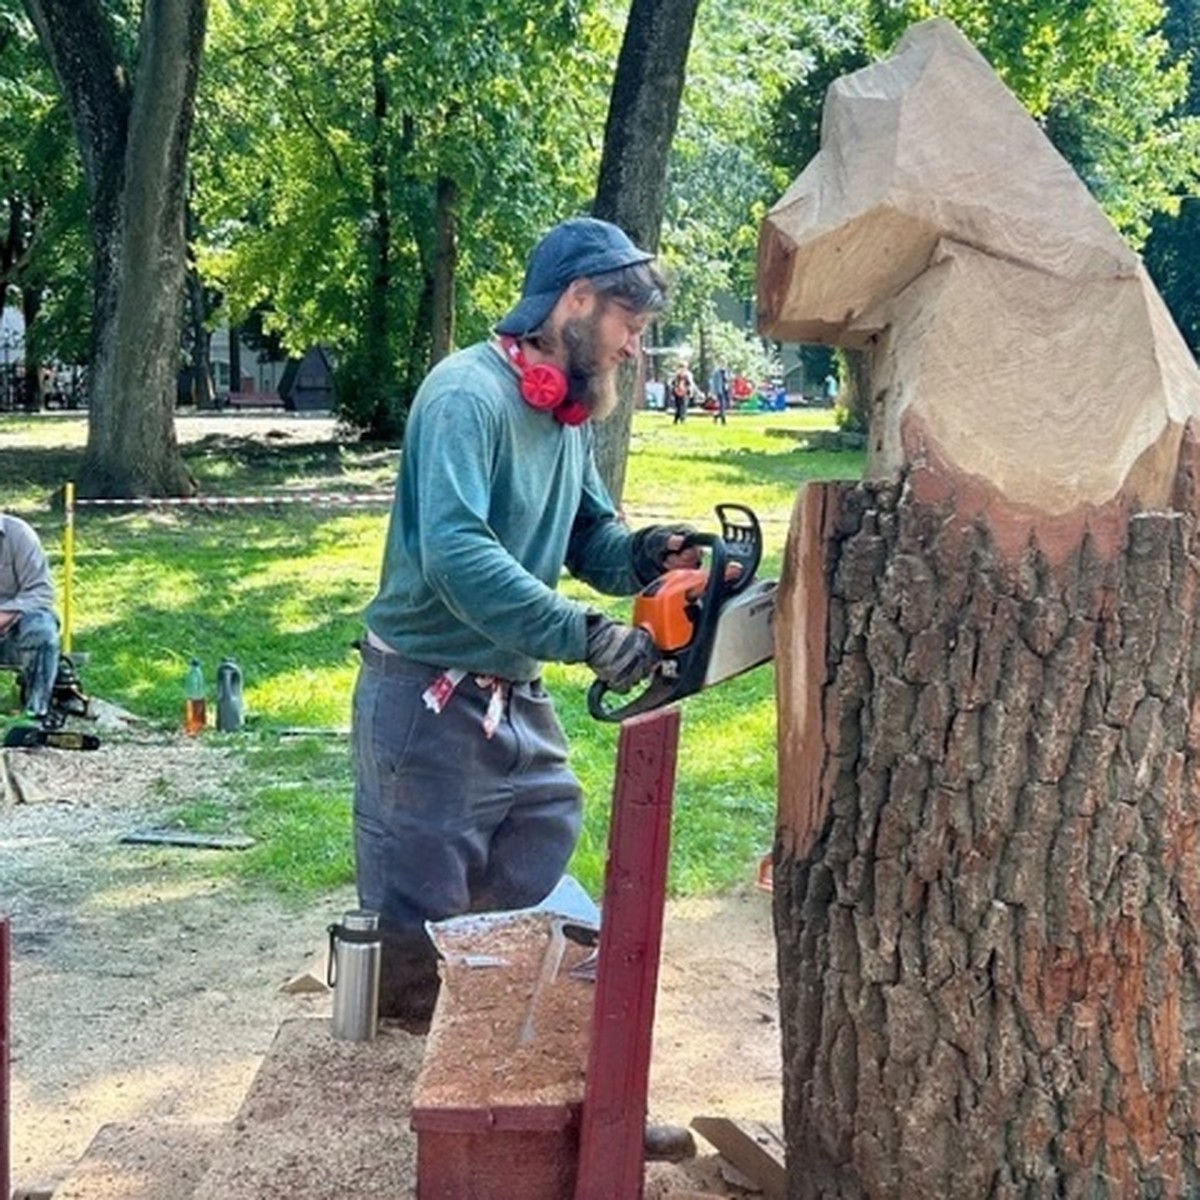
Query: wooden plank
5,982
525,1164
801,635
611,1149
186,837
755,1148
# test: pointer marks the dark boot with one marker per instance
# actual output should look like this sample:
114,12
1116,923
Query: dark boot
408,979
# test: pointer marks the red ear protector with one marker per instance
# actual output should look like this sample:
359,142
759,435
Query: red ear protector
544,386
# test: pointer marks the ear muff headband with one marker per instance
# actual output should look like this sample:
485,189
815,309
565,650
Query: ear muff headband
544,386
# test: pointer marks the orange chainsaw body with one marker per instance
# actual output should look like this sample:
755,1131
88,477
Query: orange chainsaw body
666,608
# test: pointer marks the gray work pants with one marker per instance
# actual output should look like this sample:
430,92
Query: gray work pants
31,644
446,819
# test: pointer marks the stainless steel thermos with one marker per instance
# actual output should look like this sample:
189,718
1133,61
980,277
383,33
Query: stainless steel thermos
355,948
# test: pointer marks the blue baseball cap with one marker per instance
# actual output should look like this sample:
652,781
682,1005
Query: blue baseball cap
575,249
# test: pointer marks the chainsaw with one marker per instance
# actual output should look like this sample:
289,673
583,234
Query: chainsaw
67,699
710,623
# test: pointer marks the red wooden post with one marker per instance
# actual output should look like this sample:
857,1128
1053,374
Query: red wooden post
611,1140
5,978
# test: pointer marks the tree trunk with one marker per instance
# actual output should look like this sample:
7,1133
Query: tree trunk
445,266
33,399
630,192
378,371
986,885
133,143
987,894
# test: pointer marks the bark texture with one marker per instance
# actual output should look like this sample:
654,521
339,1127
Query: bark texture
133,135
986,882
631,189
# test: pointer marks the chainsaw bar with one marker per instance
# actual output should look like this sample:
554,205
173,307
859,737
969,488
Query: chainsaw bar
30,737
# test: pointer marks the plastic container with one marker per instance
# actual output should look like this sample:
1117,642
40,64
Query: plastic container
195,709
230,709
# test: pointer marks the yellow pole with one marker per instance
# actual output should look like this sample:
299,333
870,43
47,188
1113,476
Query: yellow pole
68,561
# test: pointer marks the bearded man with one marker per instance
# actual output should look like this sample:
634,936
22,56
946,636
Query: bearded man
463,798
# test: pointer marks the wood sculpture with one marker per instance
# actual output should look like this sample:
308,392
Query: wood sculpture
986,879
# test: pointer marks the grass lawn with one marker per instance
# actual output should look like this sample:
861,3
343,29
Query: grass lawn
281,589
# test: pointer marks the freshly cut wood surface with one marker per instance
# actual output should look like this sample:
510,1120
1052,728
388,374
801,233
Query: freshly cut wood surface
1008,328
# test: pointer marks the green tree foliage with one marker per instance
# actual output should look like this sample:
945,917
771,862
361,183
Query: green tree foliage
643,114
725,169
750,122
339,135
1173,249
43,224
129,86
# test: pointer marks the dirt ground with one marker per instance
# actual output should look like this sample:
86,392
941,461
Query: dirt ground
142,990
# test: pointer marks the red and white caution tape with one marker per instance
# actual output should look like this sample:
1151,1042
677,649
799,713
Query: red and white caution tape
313,498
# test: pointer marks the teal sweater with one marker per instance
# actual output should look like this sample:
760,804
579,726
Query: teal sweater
493,499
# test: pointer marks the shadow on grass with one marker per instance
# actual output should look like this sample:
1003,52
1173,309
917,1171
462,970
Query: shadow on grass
238,463
282,592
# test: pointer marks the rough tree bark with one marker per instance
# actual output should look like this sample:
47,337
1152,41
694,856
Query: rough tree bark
631,189
987,892
445,267
987,885
132,126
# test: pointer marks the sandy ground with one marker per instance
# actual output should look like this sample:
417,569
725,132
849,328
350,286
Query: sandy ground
143,990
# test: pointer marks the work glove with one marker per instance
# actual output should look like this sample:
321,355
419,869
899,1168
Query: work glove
659,548
621,655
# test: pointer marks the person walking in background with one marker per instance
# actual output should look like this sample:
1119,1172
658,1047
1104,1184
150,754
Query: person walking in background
718,388
28,627
463,797
682,386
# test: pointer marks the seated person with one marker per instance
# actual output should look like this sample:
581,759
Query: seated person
28,626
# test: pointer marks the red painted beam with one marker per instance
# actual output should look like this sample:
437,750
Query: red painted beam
611,1139
5,980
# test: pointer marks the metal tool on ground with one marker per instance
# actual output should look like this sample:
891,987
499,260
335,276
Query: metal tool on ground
551,961
710,623
584,935
67,699
29,737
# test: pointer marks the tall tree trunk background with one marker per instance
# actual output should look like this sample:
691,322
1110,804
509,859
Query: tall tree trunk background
445,266
34,384
379,370
986,884
133,134
631,189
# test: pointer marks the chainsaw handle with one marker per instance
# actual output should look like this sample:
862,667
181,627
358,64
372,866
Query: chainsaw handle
742,540
656,693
